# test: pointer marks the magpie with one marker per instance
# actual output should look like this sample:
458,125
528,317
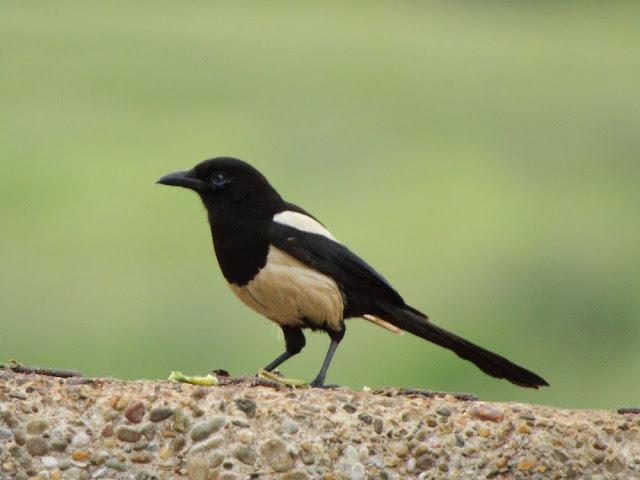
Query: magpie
284,263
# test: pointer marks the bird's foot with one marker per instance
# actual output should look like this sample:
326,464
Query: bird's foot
319,383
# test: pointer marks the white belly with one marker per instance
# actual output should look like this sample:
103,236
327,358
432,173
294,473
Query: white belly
286,291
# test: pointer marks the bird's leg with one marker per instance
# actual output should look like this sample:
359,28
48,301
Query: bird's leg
336,337
295,342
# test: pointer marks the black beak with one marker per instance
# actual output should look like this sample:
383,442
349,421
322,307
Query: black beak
182,179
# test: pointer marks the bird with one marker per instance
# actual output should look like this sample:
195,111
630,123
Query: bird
283,263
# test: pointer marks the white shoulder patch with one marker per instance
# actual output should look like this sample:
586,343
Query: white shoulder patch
302,222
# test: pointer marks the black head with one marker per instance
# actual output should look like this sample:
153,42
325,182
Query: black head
225,181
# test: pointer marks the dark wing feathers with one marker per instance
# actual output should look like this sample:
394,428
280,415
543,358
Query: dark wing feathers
367,292
360,283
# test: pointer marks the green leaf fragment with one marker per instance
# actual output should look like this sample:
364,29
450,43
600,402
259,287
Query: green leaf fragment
209,380
290,382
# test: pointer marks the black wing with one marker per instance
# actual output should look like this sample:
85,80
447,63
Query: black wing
362,286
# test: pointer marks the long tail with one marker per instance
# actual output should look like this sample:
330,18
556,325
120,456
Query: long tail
417,323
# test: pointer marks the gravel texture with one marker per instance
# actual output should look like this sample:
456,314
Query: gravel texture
58,428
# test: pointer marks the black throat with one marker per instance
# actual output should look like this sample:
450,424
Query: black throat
240,232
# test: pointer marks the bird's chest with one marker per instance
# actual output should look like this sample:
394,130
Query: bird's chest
289,293
241,248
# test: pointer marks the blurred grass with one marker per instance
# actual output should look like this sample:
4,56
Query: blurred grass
483,155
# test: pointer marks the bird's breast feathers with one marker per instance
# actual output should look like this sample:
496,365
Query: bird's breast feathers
289,292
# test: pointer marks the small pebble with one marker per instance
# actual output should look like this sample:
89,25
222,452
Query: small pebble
135,412
349,407
204,429
598,445
59,444
37,446
99,473
210,444
525,465
49,462
247,406
425,462
399,448
164,453
141,457
524,428
159,414
289,426
114,464
80,439
128,434
307,458
246,455
240,423
80,455
107,430
443,411
363,454
245,436
350,454
357,471
149,431
487,413
366,418
20,437
141,444
501,462
37,426
276,455
5,434
178,443
199,393
10,418
378,425
180,421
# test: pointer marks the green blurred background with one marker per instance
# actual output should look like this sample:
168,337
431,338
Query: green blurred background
484,156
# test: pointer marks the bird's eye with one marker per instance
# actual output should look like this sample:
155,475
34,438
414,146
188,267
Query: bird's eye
219,179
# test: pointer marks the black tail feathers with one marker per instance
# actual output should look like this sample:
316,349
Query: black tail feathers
415,322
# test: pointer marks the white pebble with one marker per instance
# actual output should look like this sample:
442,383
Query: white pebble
245,436
99,473
357,471
363,454
411,465
350,454
80,439
49,462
